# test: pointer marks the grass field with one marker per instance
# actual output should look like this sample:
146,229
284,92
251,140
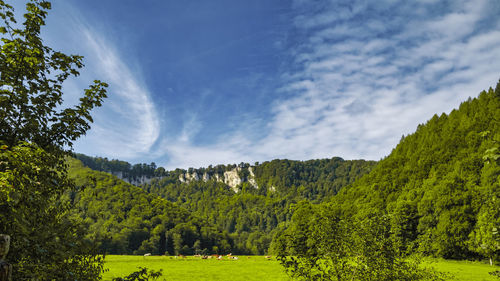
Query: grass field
259,268
190,268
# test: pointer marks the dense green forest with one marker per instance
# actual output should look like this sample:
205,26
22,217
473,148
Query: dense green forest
123,219
248,218
436,194
125,169
438,185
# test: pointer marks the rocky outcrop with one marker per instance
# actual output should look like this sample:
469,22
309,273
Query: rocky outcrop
206,177
132,180
231,178
251,179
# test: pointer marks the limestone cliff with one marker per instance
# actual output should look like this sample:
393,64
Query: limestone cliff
232,178
140,180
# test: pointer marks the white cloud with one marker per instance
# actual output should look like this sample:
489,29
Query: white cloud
127,125
364,74
362,84
135,126
357,93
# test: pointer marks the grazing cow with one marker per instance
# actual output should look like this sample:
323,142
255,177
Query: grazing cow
219,257
268,257
204,257
147,255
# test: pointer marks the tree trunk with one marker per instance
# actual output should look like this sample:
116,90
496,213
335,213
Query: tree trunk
5,267
491,262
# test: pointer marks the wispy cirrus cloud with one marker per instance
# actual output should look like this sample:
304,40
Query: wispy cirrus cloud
356,75
369,72
127,125
362,74
131,126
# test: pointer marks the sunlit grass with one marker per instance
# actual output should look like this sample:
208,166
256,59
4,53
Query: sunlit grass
248,268
464,270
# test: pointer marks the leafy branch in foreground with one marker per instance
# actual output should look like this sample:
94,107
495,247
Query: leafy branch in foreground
143,274
35,135
319,245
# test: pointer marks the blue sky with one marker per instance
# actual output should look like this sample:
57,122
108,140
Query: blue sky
194,83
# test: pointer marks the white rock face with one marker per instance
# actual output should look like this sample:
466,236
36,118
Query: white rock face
218,178
140,180
192,177
182,178
118,174
206,177
232,179
134,181
251,180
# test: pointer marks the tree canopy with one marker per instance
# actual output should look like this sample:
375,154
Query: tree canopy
35,136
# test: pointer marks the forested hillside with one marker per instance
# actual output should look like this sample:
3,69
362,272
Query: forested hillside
250,212
440,185
437,193
123,219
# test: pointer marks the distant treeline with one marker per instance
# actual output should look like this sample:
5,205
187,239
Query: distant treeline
247,220
124,219
127,170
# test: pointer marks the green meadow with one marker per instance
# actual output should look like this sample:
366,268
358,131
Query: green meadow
259,268
246,268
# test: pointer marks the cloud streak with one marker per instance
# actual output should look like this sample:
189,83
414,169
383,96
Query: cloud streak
356,76
127,125
134,126
369,73
365,73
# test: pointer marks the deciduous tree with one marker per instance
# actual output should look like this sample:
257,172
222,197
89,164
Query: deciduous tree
36,135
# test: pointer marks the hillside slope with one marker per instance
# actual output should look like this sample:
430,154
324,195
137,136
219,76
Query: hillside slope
443,197
124,219
247,202
264,198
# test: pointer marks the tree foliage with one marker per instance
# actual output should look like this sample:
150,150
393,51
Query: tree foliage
320,245
440,185
250,217
143,274
35,134
124,219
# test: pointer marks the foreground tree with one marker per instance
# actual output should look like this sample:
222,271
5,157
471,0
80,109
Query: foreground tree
320,245
35,137
485,239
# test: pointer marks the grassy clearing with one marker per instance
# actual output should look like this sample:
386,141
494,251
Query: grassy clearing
464,270
259,268
190,268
